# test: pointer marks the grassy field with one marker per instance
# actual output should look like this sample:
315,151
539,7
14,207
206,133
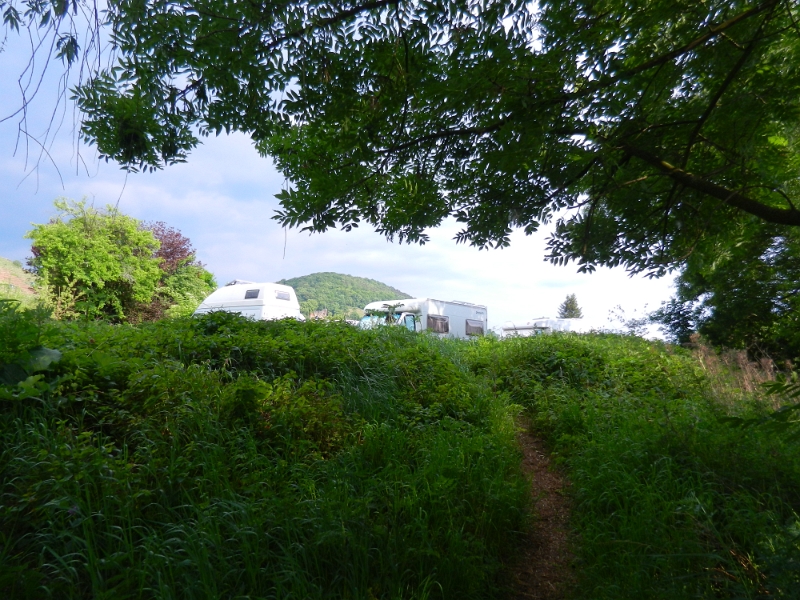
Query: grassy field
222,458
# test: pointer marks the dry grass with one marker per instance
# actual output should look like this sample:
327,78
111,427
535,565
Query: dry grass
734,377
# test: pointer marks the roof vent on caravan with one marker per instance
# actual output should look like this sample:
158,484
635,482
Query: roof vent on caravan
238,282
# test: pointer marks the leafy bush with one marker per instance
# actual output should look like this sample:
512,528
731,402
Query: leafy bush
221,457
95,263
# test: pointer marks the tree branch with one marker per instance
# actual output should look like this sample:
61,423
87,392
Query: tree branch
771,214
722,89
677,52
447,133
350,12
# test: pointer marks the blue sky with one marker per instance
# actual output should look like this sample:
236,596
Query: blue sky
223,200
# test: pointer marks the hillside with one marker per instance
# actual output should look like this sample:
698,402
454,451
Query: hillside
342,295
14,281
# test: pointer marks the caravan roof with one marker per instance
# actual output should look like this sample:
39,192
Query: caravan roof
278,300
410,305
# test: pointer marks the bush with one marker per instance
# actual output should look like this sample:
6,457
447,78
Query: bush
221,457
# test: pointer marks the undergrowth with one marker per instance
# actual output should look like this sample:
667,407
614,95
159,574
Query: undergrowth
671,501
218,457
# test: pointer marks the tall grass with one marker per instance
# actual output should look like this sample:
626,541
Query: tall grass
671,501
221,458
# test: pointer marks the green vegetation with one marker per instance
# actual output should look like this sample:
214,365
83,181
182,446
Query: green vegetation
343,296
652,124
101,264
670,499
224,458
93,263
221,457
569,309
184,282
741,294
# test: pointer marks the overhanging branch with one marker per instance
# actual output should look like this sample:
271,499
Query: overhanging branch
781,216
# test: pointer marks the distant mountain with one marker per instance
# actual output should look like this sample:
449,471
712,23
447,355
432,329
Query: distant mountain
342,295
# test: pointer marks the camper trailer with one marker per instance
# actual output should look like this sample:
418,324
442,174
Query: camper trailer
447,319
544,325
258,301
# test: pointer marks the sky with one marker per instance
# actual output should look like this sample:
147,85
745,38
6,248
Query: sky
223,199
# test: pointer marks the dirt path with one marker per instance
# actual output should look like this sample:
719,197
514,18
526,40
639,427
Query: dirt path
544,566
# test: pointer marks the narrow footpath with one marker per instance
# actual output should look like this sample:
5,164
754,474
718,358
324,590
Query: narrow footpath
543,569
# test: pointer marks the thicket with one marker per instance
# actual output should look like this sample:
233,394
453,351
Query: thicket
221,457
742,293
218,457
679,489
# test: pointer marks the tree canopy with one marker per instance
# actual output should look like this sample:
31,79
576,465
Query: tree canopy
744,293
102,264
569,309
94,263
641,126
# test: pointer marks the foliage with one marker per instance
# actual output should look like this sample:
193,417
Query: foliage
93,263
184,282
222,457
343,296
743,293
175,249
670,499
569,309
103,264
657,123
22,356
185,289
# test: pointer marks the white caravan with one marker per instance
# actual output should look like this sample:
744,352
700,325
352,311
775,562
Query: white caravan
544,325
258,301
447,319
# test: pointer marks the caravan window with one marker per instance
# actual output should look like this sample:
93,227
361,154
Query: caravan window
282,295
474,327
250,294
438,324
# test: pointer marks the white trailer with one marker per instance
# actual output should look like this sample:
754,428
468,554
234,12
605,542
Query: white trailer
447,319
258,301
544,325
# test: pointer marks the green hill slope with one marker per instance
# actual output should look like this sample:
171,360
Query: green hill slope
15,282
342,295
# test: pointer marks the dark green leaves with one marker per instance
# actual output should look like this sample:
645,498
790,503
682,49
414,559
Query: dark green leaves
67,48
647,126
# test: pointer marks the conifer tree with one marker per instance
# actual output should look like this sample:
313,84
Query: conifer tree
569,309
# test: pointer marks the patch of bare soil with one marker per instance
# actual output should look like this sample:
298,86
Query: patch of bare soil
543,568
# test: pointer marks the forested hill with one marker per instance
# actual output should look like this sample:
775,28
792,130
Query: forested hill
342,295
